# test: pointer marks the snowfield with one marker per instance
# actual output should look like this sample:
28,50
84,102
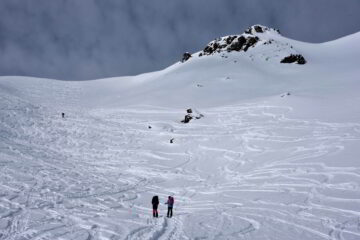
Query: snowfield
276,155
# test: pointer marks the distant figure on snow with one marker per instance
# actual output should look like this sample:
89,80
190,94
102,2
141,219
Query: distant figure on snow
63,115
155,204
170,203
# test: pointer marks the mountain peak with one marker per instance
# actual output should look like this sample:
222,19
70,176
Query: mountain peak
266,41
260,29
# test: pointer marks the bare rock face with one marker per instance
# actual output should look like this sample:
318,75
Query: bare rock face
251,41
294,58
256,29
210,49
238,44
254,36
230,39
229,44
186,56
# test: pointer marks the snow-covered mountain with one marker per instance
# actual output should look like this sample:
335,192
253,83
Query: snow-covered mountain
270,151
251,39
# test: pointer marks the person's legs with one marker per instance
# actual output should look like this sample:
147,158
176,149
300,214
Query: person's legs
171,211
155,212
168,212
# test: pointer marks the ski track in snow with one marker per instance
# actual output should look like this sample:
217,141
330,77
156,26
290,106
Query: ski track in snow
242,172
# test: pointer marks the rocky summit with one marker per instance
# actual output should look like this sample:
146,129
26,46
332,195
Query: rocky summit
253,36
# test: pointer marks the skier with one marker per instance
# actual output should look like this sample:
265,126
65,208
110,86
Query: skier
170,203
63,115
155,204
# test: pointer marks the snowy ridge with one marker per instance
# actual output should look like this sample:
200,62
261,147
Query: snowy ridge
274,157
260,40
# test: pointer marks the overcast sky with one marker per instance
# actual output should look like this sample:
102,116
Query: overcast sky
87,39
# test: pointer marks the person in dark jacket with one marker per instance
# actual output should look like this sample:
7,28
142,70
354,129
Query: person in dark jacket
155,204
170,203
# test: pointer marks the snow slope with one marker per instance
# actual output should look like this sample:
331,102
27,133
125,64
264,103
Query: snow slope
260,164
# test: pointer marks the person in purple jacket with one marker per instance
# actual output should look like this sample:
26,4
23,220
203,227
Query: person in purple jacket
170,203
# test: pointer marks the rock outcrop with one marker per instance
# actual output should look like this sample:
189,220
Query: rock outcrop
259,29
236,43
229,44
186,56
294,58
266,41
189,116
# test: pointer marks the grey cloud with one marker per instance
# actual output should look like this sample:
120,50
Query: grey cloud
87,39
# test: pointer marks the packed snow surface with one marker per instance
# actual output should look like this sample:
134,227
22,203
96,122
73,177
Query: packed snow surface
276,155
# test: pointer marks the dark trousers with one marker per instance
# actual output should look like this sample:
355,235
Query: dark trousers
155,211
169,213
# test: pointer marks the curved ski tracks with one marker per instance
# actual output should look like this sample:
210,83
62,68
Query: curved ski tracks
242,172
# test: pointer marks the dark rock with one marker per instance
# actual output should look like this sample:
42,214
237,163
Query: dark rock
236,42
216,46
237,46
209,50
251,41
187,118
213,47
149,127
230,39
294,58
172,140
258,29
242,40
186,57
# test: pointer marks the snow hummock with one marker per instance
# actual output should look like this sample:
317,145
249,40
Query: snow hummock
274,155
